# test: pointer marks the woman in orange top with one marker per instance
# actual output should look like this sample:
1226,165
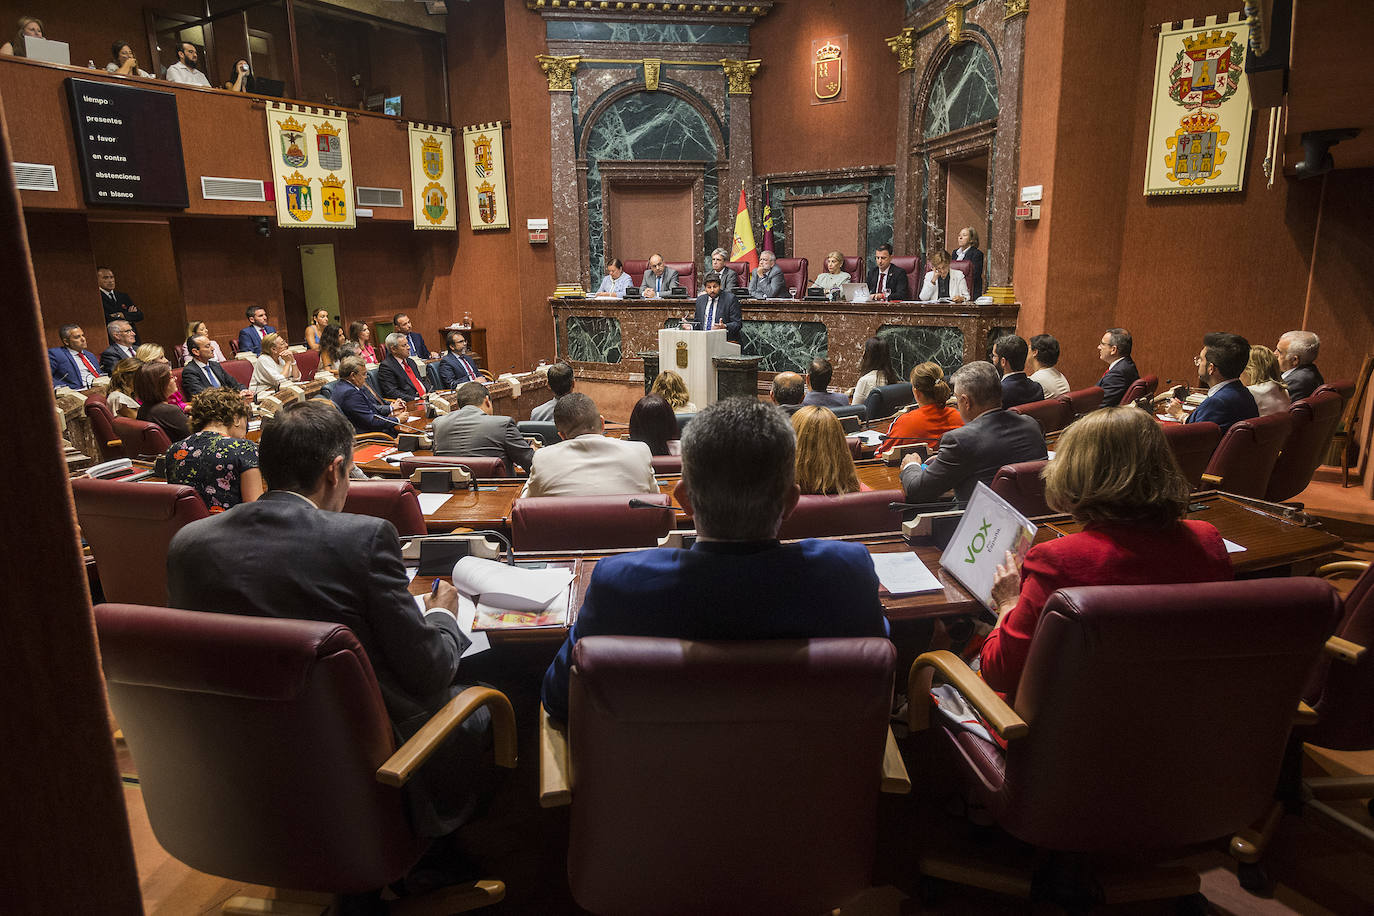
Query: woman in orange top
932,417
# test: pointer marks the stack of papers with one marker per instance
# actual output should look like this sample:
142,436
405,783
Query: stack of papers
508,596
905,574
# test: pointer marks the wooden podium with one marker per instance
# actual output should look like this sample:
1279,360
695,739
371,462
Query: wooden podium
689,354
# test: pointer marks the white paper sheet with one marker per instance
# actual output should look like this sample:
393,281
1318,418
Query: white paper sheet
395,457
430,502
1233,547
905,574
466,611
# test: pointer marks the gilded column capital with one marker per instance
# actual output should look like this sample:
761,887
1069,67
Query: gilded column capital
559,71
904,46
954,22
738,73
1017,8
653,66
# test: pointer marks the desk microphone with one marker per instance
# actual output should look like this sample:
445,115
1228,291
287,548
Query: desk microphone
645,504
941,506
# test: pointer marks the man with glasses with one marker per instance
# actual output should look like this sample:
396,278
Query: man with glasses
1219,365
1115,351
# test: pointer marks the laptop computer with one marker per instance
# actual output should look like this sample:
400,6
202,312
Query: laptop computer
855,292
47,50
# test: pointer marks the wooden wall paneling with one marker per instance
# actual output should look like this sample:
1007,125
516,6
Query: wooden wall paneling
64,271
140,253
826,224
67,837
225,266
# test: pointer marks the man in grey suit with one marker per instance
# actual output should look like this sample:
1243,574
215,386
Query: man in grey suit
343,568
989,438
767,282
471,431
659,279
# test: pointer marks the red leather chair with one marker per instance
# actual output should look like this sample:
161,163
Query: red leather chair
964,267
241,370
1314,425
1245,459
1084,400
1021,485
741,269
1145,385
141,438
1193,445
724,777
1344,454
1053,414
1079,776
102,424
865,512
306,790
686,275
233,348
309,363
482,467
176,377
1345,389
912,265
588,522
129,526
856,268
795,273
667,464
394,500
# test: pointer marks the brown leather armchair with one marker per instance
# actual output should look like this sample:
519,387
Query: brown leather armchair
1123,684
240,370
128,526
1315,419
1083,401
865,512
1193,445
1021,485
589,522
795,272
738,777
911,264
306,787
1245,459
856,268
102,424
141,438
741,269
1145,385
394,500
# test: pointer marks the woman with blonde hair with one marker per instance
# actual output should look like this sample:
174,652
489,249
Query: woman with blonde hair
825,466
196,329
1265,382
120,394
275,367
670,386
834,273
1114,472
932,418
153,353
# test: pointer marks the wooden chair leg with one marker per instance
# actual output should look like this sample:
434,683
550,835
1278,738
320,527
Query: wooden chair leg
1249,845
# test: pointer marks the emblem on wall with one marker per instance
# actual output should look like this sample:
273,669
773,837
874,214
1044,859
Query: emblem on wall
299,202
293,155
1199,68
484,167
486,202
481,156
827,69
431,177
436,203
329,147
333,199
432,157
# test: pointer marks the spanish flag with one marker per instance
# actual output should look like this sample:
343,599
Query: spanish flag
743,248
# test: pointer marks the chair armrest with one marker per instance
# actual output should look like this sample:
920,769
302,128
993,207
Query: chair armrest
555,772
402,764
115,443
1344,650
1331,570
1213,479
1305,715
994,709
374,437
896,781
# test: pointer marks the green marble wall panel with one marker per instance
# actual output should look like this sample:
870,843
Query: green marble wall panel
639,32
649,125
784,346
912,345
964,91
593,339
882,194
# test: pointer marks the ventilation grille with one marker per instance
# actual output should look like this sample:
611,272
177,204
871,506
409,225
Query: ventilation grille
380,197
231,188
30,176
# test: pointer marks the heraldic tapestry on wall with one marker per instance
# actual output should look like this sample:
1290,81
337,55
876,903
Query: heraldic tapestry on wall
433,202
311,166
484,160
1200,120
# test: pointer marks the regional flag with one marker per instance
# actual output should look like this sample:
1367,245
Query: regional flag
768,244
743,248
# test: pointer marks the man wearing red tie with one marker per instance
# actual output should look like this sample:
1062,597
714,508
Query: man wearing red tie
72,365
887,279
396,375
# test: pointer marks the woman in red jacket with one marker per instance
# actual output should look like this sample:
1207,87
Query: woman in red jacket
1113,471
932,418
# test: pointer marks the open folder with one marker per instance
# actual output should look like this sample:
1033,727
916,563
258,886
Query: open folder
509,596
989,528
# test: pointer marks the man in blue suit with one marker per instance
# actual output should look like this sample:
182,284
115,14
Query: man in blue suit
418,347
1009,356
457,367
1115,351
738,581
350,394
72,365
1219,365
250,338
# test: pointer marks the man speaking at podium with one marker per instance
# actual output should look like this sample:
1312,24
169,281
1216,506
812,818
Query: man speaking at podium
717,308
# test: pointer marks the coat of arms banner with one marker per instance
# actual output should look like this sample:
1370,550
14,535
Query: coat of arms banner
1200,119
484,160
312,166
433,205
